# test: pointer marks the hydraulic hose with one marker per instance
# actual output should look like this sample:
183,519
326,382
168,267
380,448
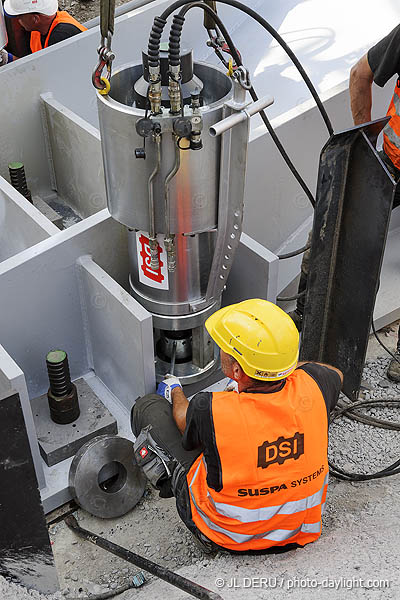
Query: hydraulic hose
268,27
253,94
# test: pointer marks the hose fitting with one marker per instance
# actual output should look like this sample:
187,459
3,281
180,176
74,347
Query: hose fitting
154,65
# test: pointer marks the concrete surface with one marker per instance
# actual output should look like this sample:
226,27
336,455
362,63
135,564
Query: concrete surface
359,541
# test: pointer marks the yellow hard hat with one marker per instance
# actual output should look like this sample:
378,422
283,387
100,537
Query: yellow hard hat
259,335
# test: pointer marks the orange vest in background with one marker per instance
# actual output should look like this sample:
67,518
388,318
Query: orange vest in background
391,131
273,456
61,17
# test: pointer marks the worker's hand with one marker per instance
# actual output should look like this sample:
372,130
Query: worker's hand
3,57
231,386
165,387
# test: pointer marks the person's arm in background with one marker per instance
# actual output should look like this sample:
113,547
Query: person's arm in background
361,78
6,57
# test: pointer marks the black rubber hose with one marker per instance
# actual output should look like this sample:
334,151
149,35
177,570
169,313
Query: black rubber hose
295,252
154,41
254,96
347,410
290,298
174,55
253,14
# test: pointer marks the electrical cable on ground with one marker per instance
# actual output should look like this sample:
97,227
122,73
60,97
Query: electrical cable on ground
383,345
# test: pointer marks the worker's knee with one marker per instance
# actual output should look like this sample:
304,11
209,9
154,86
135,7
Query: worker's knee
143,410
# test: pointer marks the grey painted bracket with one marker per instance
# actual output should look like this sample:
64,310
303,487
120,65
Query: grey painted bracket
119,333
75,160
254,273
22,225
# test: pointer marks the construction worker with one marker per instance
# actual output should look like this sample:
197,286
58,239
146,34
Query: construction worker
249,467
43,20
378,65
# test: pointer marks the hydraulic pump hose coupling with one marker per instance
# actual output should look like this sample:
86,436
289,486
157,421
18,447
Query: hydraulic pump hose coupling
62,394
171,253
154,258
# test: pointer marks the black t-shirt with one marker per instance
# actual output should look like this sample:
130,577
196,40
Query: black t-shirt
199,432
384,57
61,32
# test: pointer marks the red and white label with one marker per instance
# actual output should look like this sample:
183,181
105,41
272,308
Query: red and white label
143,452
147,275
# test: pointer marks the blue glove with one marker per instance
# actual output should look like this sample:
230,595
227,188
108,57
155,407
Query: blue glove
165,387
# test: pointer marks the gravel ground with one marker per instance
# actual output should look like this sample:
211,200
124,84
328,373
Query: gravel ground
84,10
359,540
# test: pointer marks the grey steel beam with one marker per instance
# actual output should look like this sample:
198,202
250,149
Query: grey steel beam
354,201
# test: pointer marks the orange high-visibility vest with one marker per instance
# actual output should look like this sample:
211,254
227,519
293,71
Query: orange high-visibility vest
273,456
391,131
61,17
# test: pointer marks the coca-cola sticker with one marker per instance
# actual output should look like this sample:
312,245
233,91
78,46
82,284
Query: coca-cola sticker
147,275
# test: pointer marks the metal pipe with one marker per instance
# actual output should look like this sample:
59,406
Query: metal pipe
240,116
169,239
154,262
192,588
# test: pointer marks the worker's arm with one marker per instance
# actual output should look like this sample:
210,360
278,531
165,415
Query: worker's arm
179,408
361,78
6,58
338,371
171,390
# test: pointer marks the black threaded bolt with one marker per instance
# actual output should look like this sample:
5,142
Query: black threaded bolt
58,370
62,395
18,179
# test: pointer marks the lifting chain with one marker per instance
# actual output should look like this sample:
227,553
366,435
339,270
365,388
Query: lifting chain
106,55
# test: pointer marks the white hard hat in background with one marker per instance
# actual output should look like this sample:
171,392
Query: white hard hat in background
22,7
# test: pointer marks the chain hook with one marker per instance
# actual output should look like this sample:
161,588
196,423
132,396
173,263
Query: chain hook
242,75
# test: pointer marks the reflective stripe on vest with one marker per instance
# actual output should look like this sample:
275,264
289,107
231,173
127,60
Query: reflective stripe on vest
61,17
273,470
277,535
391,131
